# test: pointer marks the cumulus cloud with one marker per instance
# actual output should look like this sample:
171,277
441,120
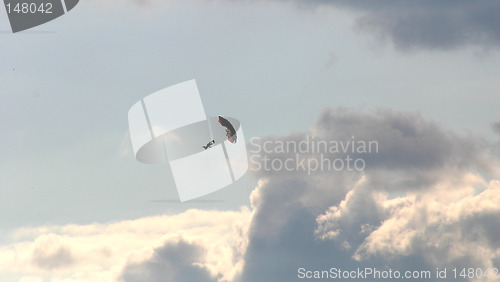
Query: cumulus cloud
399,151
203,244
422,201
452,226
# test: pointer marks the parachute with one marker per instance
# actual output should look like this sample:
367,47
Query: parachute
230,131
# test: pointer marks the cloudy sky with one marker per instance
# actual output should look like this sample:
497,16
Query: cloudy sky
419,79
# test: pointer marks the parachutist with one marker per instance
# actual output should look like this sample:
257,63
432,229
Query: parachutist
209,144
230,131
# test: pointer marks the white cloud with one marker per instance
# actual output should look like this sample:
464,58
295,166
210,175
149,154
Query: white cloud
100,252
452,223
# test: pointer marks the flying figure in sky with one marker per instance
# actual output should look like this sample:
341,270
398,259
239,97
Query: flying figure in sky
230,131
209,144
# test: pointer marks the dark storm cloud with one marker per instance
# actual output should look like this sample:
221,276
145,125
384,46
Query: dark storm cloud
172,262
426,24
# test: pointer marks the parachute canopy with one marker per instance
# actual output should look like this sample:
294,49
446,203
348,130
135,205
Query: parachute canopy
230,131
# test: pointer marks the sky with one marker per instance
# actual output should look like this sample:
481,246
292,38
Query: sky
418,79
